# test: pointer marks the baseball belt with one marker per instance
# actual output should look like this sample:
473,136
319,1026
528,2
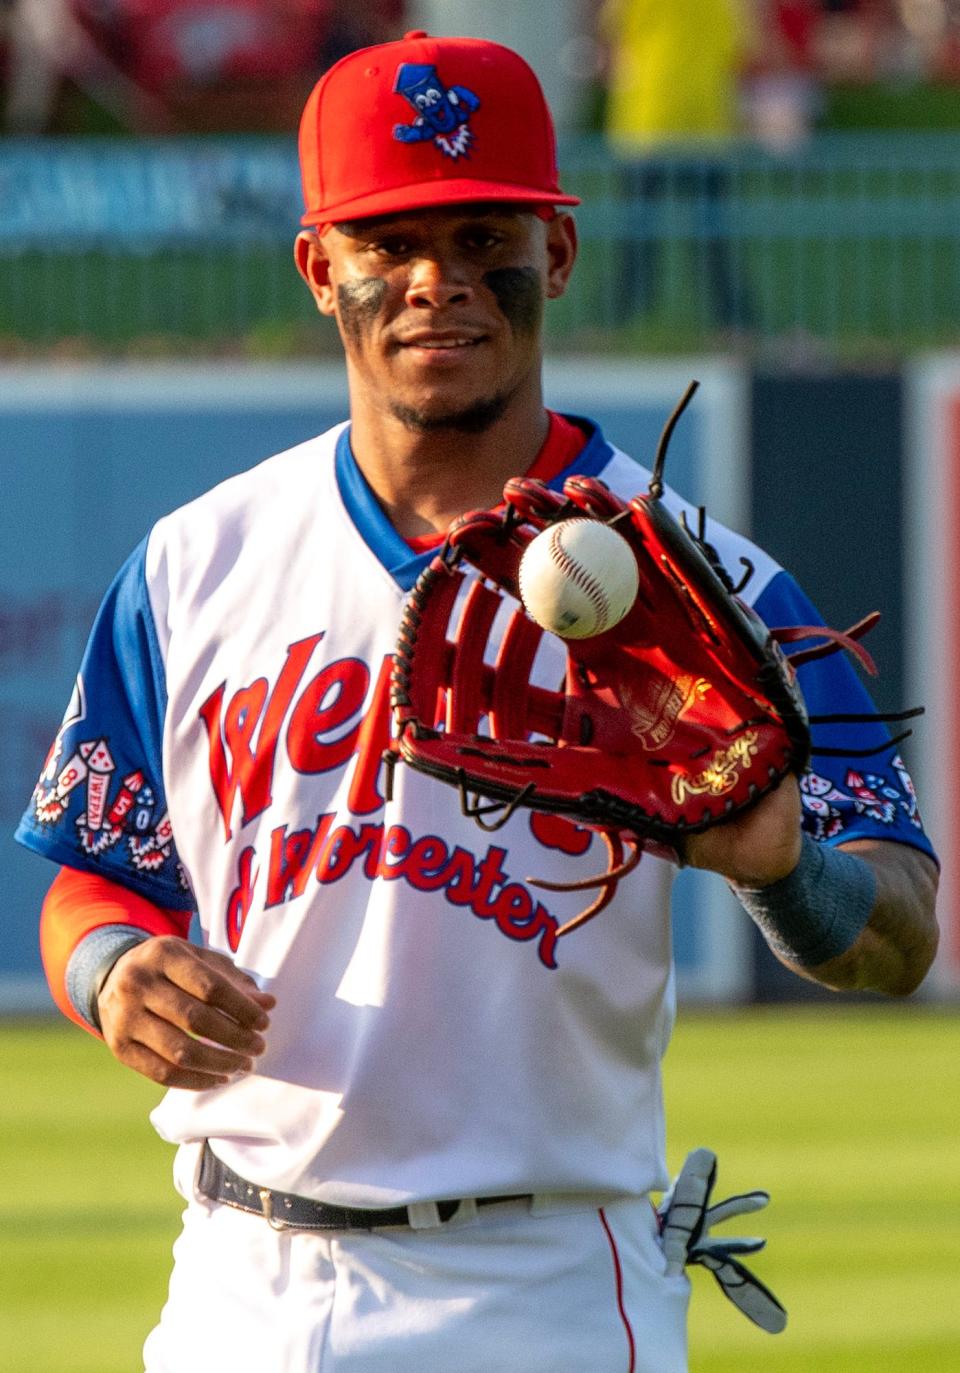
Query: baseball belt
285,1211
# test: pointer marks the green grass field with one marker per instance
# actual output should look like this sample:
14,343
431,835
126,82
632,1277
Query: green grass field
851,1118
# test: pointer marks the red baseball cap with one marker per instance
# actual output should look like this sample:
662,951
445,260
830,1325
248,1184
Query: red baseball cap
426,121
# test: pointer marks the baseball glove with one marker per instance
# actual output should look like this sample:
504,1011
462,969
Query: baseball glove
681,716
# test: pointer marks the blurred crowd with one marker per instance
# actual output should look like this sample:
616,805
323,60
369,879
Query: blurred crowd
162,66
167,66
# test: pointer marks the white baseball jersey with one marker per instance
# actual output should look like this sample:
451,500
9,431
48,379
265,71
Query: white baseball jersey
432,1035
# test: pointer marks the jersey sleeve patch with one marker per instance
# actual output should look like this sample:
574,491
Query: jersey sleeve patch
99,804
853,795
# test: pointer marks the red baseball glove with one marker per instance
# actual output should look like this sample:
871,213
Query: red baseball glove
679,717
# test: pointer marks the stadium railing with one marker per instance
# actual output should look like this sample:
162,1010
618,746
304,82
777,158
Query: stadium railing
847,244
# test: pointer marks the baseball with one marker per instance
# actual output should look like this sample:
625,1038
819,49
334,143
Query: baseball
578,578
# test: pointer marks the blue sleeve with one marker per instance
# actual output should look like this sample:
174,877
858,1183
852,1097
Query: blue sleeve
848,796
99,804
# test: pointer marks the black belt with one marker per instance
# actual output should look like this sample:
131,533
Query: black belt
217,1182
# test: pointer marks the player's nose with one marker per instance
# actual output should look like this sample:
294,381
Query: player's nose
436,282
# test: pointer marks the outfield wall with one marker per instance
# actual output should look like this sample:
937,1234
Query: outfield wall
91,456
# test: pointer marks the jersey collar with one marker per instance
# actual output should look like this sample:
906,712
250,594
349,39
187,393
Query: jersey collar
379,534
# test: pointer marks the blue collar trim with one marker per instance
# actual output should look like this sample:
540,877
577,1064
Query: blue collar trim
379,534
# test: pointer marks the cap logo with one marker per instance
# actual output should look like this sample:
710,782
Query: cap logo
443,112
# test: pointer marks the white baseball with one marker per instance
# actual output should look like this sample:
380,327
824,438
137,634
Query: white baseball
578,578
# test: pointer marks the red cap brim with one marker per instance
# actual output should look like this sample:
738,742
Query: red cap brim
431,194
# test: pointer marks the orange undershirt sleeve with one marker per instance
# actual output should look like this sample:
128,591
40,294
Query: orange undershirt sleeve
79,902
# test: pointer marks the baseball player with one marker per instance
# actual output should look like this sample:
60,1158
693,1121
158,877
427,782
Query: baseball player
417,1131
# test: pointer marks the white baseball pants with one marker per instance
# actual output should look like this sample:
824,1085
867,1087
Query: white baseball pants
552,1286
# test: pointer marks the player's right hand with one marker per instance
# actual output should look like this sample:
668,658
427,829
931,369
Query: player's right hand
182,1015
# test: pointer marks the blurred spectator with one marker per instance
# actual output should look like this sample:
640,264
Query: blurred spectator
183,65
781,90
859,40
47,46
220,64
929,33
870,41
672,111
227,64
32,76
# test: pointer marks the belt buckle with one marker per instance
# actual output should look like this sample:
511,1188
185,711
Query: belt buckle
266,1204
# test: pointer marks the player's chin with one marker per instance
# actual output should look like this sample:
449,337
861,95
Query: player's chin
426,413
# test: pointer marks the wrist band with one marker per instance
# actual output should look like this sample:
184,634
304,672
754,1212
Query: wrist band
817,911
90,963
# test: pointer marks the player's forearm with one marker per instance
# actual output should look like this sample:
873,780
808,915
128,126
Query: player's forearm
894,951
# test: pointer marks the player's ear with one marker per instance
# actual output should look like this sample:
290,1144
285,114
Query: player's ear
314,266
561,253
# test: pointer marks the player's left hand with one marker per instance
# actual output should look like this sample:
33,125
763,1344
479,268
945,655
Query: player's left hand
686,1217
759,847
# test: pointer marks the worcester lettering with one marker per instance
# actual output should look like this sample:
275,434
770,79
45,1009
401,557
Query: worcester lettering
334,717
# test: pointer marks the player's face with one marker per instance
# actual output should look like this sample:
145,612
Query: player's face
440,311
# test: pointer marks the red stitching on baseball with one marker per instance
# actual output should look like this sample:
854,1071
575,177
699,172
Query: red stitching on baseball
580,577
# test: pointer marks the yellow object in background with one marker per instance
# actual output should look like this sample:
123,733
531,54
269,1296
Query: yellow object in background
674,71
